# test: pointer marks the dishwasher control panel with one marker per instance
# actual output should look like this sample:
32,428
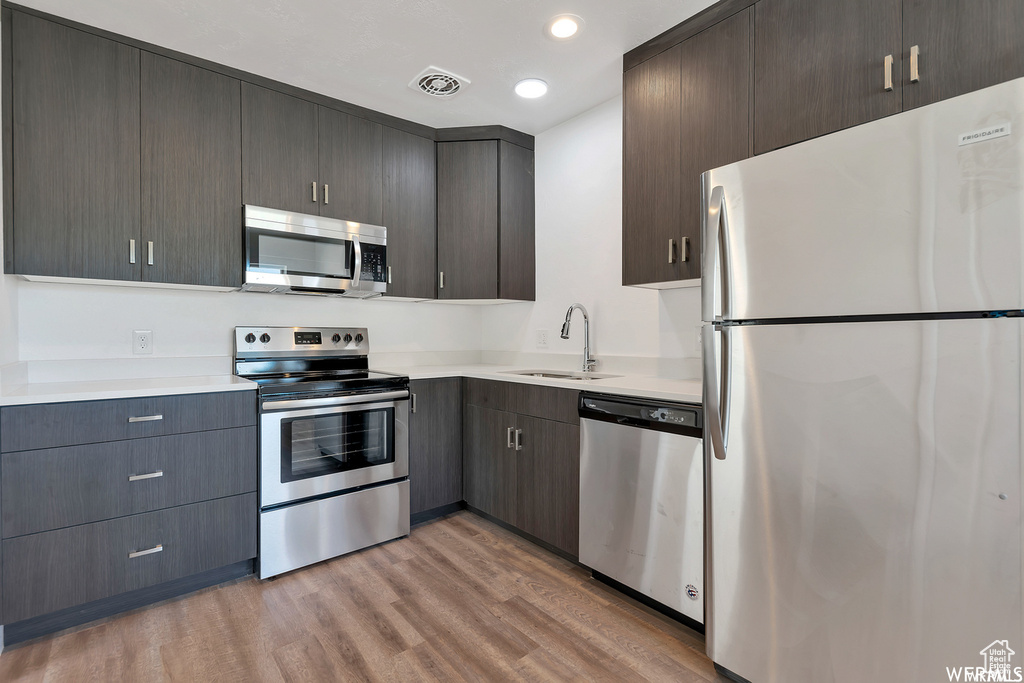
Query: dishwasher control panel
678,417
687,418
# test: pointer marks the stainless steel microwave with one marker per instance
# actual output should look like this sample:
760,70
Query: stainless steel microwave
300,254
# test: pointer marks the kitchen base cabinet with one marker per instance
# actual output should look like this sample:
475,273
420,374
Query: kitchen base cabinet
435,444
57,569
520,469
105,505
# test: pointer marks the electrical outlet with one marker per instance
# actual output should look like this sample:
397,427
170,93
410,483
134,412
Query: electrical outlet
142,342
700,339
542,339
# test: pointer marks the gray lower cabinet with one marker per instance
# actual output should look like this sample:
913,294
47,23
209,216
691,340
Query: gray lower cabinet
435,443
102,498
521,458
46,572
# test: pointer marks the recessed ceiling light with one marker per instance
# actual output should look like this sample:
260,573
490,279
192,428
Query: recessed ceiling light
531,88
563,27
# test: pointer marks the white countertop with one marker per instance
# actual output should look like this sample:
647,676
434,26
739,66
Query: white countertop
95,390
682,390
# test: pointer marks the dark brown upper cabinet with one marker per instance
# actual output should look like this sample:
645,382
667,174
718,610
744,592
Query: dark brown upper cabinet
685,111
824,65
410,214
76,153
351,167
280,163
191,175
958,46
485,220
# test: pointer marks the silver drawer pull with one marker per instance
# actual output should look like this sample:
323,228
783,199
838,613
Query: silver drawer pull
159,548
150,475
146,418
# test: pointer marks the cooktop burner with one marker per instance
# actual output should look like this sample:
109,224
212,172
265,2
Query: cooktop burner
307,362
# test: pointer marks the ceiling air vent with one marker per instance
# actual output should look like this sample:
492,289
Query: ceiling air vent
438,82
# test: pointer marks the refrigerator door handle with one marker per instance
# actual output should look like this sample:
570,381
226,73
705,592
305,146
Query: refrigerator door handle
716,396
716,237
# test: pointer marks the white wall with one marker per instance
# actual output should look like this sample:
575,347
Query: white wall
579,256
75,321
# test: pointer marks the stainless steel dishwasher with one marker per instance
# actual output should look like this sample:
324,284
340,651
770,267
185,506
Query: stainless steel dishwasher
642,498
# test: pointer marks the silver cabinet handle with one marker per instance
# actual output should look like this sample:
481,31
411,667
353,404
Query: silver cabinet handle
915,73
440,280
412,402
671,251
519,439
686,250
314,192
146,418
508,438
716,239
131,251
888,72
327,189
389,275
358,265
159,548
150,261
149,475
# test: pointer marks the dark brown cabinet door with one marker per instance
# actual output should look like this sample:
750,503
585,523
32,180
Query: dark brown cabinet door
435,443
410,214
548,482
467,219
517,269
715,87
351,167
963,45
489,465
819,66
191,174
279,151
651,173
76,151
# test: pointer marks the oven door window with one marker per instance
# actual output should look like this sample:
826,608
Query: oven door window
274,252
325,444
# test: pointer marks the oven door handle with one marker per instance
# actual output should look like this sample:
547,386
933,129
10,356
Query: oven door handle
332,401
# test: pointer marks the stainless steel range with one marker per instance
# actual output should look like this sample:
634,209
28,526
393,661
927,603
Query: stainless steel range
334,444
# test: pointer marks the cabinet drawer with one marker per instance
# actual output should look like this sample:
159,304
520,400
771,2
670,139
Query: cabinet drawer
549,403
489,394
52,425
46,572
59,487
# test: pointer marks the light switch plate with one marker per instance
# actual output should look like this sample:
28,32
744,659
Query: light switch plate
142,342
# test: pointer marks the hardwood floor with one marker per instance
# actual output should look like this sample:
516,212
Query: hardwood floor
460,599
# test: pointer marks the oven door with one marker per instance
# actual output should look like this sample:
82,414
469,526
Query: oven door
319,446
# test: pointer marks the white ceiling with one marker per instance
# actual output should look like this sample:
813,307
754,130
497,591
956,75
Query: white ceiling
366,51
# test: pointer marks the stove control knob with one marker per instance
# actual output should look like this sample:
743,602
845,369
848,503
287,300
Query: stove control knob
348,338
250,338
264,337
336,338
359,339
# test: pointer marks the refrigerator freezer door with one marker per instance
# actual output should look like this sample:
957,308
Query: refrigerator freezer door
865,524
892,217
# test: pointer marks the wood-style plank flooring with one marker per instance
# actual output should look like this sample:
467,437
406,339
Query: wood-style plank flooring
461,599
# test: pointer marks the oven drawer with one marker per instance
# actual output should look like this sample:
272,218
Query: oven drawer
59,487
52,425
46,572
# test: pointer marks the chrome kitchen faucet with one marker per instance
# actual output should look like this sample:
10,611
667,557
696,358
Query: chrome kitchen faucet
588,362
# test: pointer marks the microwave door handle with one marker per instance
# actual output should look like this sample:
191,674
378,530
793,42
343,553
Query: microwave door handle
358,264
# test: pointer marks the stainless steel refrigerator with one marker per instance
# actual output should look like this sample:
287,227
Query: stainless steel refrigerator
862,298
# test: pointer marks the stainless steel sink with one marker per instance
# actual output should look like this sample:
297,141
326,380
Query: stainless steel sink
560,374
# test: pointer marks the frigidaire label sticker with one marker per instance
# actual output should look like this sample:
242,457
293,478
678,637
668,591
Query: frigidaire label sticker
999,131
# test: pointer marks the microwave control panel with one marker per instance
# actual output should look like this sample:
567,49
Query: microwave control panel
374,264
